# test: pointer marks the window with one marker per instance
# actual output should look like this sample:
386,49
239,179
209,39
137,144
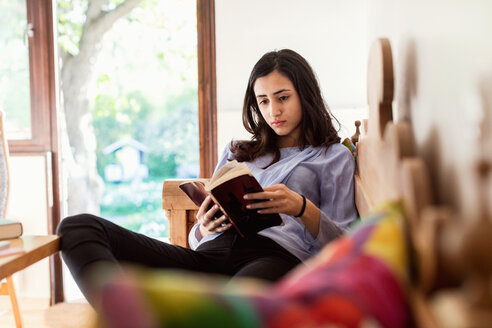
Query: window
33,124
27,74
14,69
26,31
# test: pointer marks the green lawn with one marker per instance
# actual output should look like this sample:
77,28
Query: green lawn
136,206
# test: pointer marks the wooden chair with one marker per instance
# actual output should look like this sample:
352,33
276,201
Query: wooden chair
180,211
7,287
452,268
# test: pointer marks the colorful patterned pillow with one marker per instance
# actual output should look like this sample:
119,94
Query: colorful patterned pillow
357,280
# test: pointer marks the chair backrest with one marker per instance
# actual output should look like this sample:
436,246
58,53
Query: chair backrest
4,169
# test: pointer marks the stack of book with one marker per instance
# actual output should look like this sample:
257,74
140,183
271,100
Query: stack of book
9,230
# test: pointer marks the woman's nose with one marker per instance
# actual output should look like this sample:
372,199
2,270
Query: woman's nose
275,109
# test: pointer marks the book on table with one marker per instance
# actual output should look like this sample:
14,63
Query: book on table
10,229
227,188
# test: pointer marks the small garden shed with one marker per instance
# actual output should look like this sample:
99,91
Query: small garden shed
128,163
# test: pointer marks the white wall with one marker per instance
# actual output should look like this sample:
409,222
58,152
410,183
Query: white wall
442,54
28,203
330,34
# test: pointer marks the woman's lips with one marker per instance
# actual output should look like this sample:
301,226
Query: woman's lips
278,123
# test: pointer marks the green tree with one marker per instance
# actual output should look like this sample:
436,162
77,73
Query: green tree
147,85
82,25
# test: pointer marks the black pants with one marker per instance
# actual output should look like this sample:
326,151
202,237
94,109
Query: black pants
87,239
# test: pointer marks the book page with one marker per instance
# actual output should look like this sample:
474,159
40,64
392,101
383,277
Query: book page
227,172
224,169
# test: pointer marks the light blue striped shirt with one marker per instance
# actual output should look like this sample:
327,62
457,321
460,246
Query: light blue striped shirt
325,177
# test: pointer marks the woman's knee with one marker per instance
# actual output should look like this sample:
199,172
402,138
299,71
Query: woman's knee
75,223
77,229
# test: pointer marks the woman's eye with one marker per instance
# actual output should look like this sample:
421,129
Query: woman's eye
262,102
283,98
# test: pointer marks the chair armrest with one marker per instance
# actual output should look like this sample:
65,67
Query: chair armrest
180,211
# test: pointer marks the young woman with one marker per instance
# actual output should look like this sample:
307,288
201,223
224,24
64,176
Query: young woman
294,153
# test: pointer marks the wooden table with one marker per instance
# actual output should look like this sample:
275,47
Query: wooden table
36,248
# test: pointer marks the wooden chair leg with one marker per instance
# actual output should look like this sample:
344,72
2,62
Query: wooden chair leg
13,300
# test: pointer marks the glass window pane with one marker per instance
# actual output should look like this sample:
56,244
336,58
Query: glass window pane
15,98
143,97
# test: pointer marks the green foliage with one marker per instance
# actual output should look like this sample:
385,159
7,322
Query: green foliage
172,139
127,197
161,164
153,224
71,19
145,88
136,206
177,132
13,18
14,66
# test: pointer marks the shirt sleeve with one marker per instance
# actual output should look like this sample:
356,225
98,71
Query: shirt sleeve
337,205
192,236
192,239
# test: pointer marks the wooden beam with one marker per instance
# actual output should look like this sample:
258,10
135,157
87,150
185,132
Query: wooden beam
207,99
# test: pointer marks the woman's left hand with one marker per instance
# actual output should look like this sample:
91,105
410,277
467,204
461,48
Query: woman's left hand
276,199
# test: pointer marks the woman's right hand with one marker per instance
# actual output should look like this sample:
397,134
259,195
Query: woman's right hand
208,224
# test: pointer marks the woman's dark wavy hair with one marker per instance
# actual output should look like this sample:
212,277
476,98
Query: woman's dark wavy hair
316,124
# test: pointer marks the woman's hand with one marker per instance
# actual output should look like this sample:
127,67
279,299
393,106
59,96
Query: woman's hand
276,199
208,224
280,199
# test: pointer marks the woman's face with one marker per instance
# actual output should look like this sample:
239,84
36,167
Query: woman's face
280,106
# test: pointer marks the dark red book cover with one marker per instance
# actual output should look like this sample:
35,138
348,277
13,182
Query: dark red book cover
197,193
229,195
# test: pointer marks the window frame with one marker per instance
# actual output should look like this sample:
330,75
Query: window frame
39,14
207,89
44,122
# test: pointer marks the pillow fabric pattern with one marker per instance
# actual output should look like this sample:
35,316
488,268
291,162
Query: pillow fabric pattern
358,280
348,143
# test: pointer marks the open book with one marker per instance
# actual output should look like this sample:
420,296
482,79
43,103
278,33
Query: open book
227,188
